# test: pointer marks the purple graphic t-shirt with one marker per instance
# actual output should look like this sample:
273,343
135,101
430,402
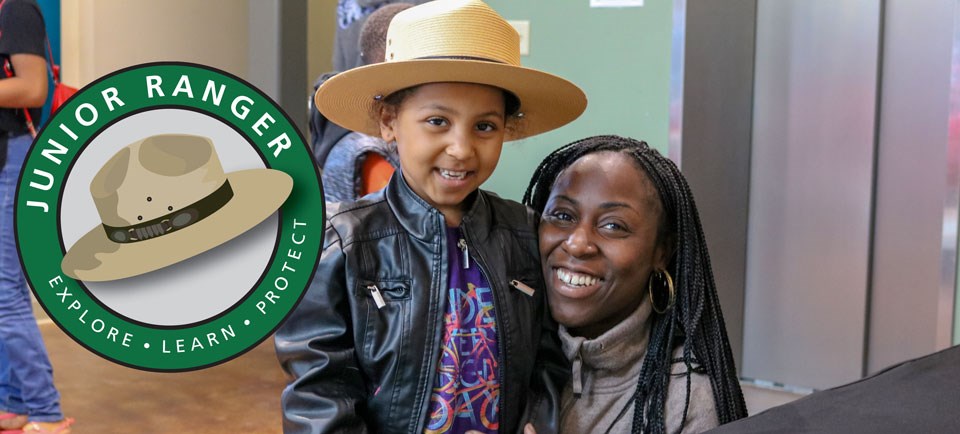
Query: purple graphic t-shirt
466,393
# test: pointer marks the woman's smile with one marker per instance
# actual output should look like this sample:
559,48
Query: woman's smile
574,284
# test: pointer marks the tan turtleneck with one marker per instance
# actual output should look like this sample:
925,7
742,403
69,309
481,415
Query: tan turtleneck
605,372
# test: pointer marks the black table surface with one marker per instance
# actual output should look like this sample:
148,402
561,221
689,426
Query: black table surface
917,396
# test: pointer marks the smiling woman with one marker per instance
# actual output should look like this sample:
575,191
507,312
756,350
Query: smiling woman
600,242
628,278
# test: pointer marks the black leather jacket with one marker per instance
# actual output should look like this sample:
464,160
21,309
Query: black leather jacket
359,368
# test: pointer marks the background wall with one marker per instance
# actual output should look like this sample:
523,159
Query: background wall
711,126
619,56
101,36
811,177
913,184
854,180
51,17
321,28
265,42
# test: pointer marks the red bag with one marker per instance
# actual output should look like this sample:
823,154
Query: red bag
61,92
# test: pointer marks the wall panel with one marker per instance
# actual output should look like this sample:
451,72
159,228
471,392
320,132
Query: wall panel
911,181
811,191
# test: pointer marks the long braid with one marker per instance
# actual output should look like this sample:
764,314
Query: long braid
695,321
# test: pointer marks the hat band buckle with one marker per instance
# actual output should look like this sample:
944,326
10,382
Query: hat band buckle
174,221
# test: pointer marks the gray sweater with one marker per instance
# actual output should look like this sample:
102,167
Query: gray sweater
605,372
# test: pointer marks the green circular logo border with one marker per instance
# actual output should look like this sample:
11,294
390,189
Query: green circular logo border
220,338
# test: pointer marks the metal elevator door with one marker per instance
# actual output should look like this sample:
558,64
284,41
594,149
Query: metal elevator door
811,180
824,150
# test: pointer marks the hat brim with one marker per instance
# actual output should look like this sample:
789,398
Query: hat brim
546,101
257,194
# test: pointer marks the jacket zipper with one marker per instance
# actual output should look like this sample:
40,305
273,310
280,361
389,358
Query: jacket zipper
523,287
432,359
462,244
497,310
377,296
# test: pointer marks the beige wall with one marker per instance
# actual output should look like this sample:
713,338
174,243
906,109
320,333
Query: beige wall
101,36
321,28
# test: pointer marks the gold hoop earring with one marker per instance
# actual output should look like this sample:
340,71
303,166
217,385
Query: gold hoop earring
665,282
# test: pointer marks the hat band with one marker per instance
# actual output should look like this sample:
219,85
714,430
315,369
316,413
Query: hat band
173,221
482,59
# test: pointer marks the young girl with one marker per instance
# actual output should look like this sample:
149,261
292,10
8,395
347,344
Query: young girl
426,313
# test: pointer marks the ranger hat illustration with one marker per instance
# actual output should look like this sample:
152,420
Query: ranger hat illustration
164,199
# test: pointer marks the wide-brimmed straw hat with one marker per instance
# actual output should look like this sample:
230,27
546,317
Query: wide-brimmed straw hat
451,41
164,199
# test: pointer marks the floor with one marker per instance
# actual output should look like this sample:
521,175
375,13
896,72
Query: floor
240,396
761,398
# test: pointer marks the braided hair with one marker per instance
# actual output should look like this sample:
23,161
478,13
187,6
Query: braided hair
695,321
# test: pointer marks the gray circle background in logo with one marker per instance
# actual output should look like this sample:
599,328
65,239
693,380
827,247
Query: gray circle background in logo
198,288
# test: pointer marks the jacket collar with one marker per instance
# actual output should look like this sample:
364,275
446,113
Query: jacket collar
422,220
611,358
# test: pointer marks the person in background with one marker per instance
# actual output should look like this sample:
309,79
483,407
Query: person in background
29,401
358,164
628,278
351,18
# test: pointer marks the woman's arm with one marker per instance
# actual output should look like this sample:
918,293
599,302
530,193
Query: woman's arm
23,40
28,88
